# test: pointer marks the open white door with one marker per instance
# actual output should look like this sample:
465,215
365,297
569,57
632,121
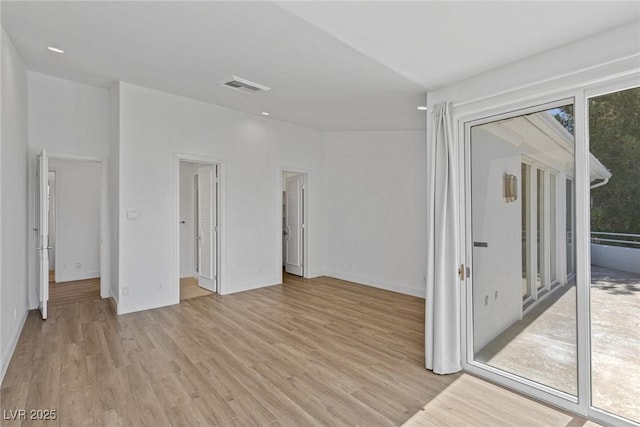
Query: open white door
42,174
294,221
207,227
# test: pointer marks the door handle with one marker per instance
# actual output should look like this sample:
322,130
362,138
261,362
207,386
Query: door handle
42,248
461,271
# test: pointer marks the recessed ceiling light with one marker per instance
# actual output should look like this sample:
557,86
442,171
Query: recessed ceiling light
264,113
55,49
422,108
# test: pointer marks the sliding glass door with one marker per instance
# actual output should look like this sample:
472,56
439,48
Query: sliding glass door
614,139
552,237
523,308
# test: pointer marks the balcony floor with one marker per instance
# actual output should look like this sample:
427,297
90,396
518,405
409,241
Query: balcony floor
541,347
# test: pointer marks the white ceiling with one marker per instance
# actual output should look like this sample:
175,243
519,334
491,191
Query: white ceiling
435,43
331,65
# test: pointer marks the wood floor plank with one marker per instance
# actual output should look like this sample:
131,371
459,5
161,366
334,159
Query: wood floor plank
65,293
309,352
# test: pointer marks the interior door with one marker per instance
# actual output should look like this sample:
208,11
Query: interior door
42,174
207,228
294,224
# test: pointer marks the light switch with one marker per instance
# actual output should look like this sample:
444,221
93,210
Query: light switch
133,214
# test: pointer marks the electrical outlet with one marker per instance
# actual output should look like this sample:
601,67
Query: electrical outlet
486,300
78,264
125,292
495,295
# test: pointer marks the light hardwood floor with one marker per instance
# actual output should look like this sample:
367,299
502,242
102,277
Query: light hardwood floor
309,352
65,293
189,289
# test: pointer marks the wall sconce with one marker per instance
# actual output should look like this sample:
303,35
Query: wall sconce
510,188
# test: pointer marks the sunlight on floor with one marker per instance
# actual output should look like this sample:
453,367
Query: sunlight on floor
485,405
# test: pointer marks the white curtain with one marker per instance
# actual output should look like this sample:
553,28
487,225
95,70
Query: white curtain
442,312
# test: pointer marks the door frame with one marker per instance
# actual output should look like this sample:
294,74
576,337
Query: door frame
305,219
105,241
579,88
498,376
221,235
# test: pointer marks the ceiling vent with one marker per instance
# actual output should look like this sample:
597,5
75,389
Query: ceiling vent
245,85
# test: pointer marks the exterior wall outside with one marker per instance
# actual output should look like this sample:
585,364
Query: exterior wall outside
616,258
497,272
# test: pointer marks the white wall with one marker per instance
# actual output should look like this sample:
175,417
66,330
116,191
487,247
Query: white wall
498,267
64,117
78,219
154,126
375,203
68,117
187,213
13,193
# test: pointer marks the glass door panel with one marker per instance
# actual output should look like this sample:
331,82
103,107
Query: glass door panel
520,326
614,141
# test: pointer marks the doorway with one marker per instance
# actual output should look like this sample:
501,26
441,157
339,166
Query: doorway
294,233
74,190
72,228
199,227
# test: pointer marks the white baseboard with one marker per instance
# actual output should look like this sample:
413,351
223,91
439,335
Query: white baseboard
70,277
314,274
394,287
232,288
114,297
11,347
125,309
